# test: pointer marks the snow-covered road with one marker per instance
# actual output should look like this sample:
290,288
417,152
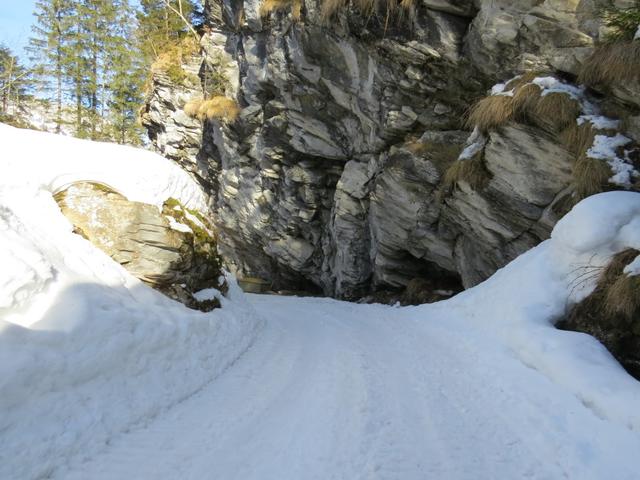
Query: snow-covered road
102,377
332,390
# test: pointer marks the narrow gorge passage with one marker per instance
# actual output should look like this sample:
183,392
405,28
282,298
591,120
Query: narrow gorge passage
333,390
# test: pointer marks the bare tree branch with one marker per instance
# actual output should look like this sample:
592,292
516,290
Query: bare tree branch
182,17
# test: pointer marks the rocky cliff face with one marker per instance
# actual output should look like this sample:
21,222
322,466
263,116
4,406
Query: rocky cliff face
334,174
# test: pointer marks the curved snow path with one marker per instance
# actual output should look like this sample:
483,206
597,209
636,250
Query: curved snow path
333,390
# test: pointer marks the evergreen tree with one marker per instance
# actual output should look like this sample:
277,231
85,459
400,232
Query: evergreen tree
126,81
14,83
92,56
96,19
49,48
162,23
76,78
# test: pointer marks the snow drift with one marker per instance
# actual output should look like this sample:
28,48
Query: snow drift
86,350
520,304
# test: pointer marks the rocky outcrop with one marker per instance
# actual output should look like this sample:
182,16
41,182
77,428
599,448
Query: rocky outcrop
171,250
172,132
332,177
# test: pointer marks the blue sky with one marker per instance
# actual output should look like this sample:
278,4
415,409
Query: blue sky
16,17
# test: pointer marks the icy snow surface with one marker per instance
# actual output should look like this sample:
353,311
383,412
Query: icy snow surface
475,143
553,85
604,148
633,268
599,122
103,378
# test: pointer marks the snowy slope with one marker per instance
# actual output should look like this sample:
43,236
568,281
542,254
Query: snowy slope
86,350
103,378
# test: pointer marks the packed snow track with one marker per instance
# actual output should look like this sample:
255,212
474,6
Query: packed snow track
331,390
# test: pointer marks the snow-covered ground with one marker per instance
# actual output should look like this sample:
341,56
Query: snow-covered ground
86,350
103,378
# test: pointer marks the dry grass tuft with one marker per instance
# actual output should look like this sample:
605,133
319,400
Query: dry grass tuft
611,313
390,9
554,112
578,138
621,291
610,64
623,297
269,6
221,108
441,155
522,80
471,171
525,100
616,266
192,106
170,61
590,176
490,113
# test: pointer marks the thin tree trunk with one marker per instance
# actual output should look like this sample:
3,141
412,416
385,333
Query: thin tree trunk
59,92
59,73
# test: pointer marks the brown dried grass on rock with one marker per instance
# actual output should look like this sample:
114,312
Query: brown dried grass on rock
578,138
611,313
471,171
590,176
269,6
555,111
490,113
389,9
613,63
222,108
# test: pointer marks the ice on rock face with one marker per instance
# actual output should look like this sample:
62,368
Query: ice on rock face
475,143
498,88
605,148
599,122
633,269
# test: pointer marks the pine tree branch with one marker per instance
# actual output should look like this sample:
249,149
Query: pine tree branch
13,81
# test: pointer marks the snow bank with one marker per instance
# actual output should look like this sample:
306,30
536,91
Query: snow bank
34,161
520,303
86,350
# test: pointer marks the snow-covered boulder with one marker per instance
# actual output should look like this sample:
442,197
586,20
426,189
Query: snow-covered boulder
172,250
